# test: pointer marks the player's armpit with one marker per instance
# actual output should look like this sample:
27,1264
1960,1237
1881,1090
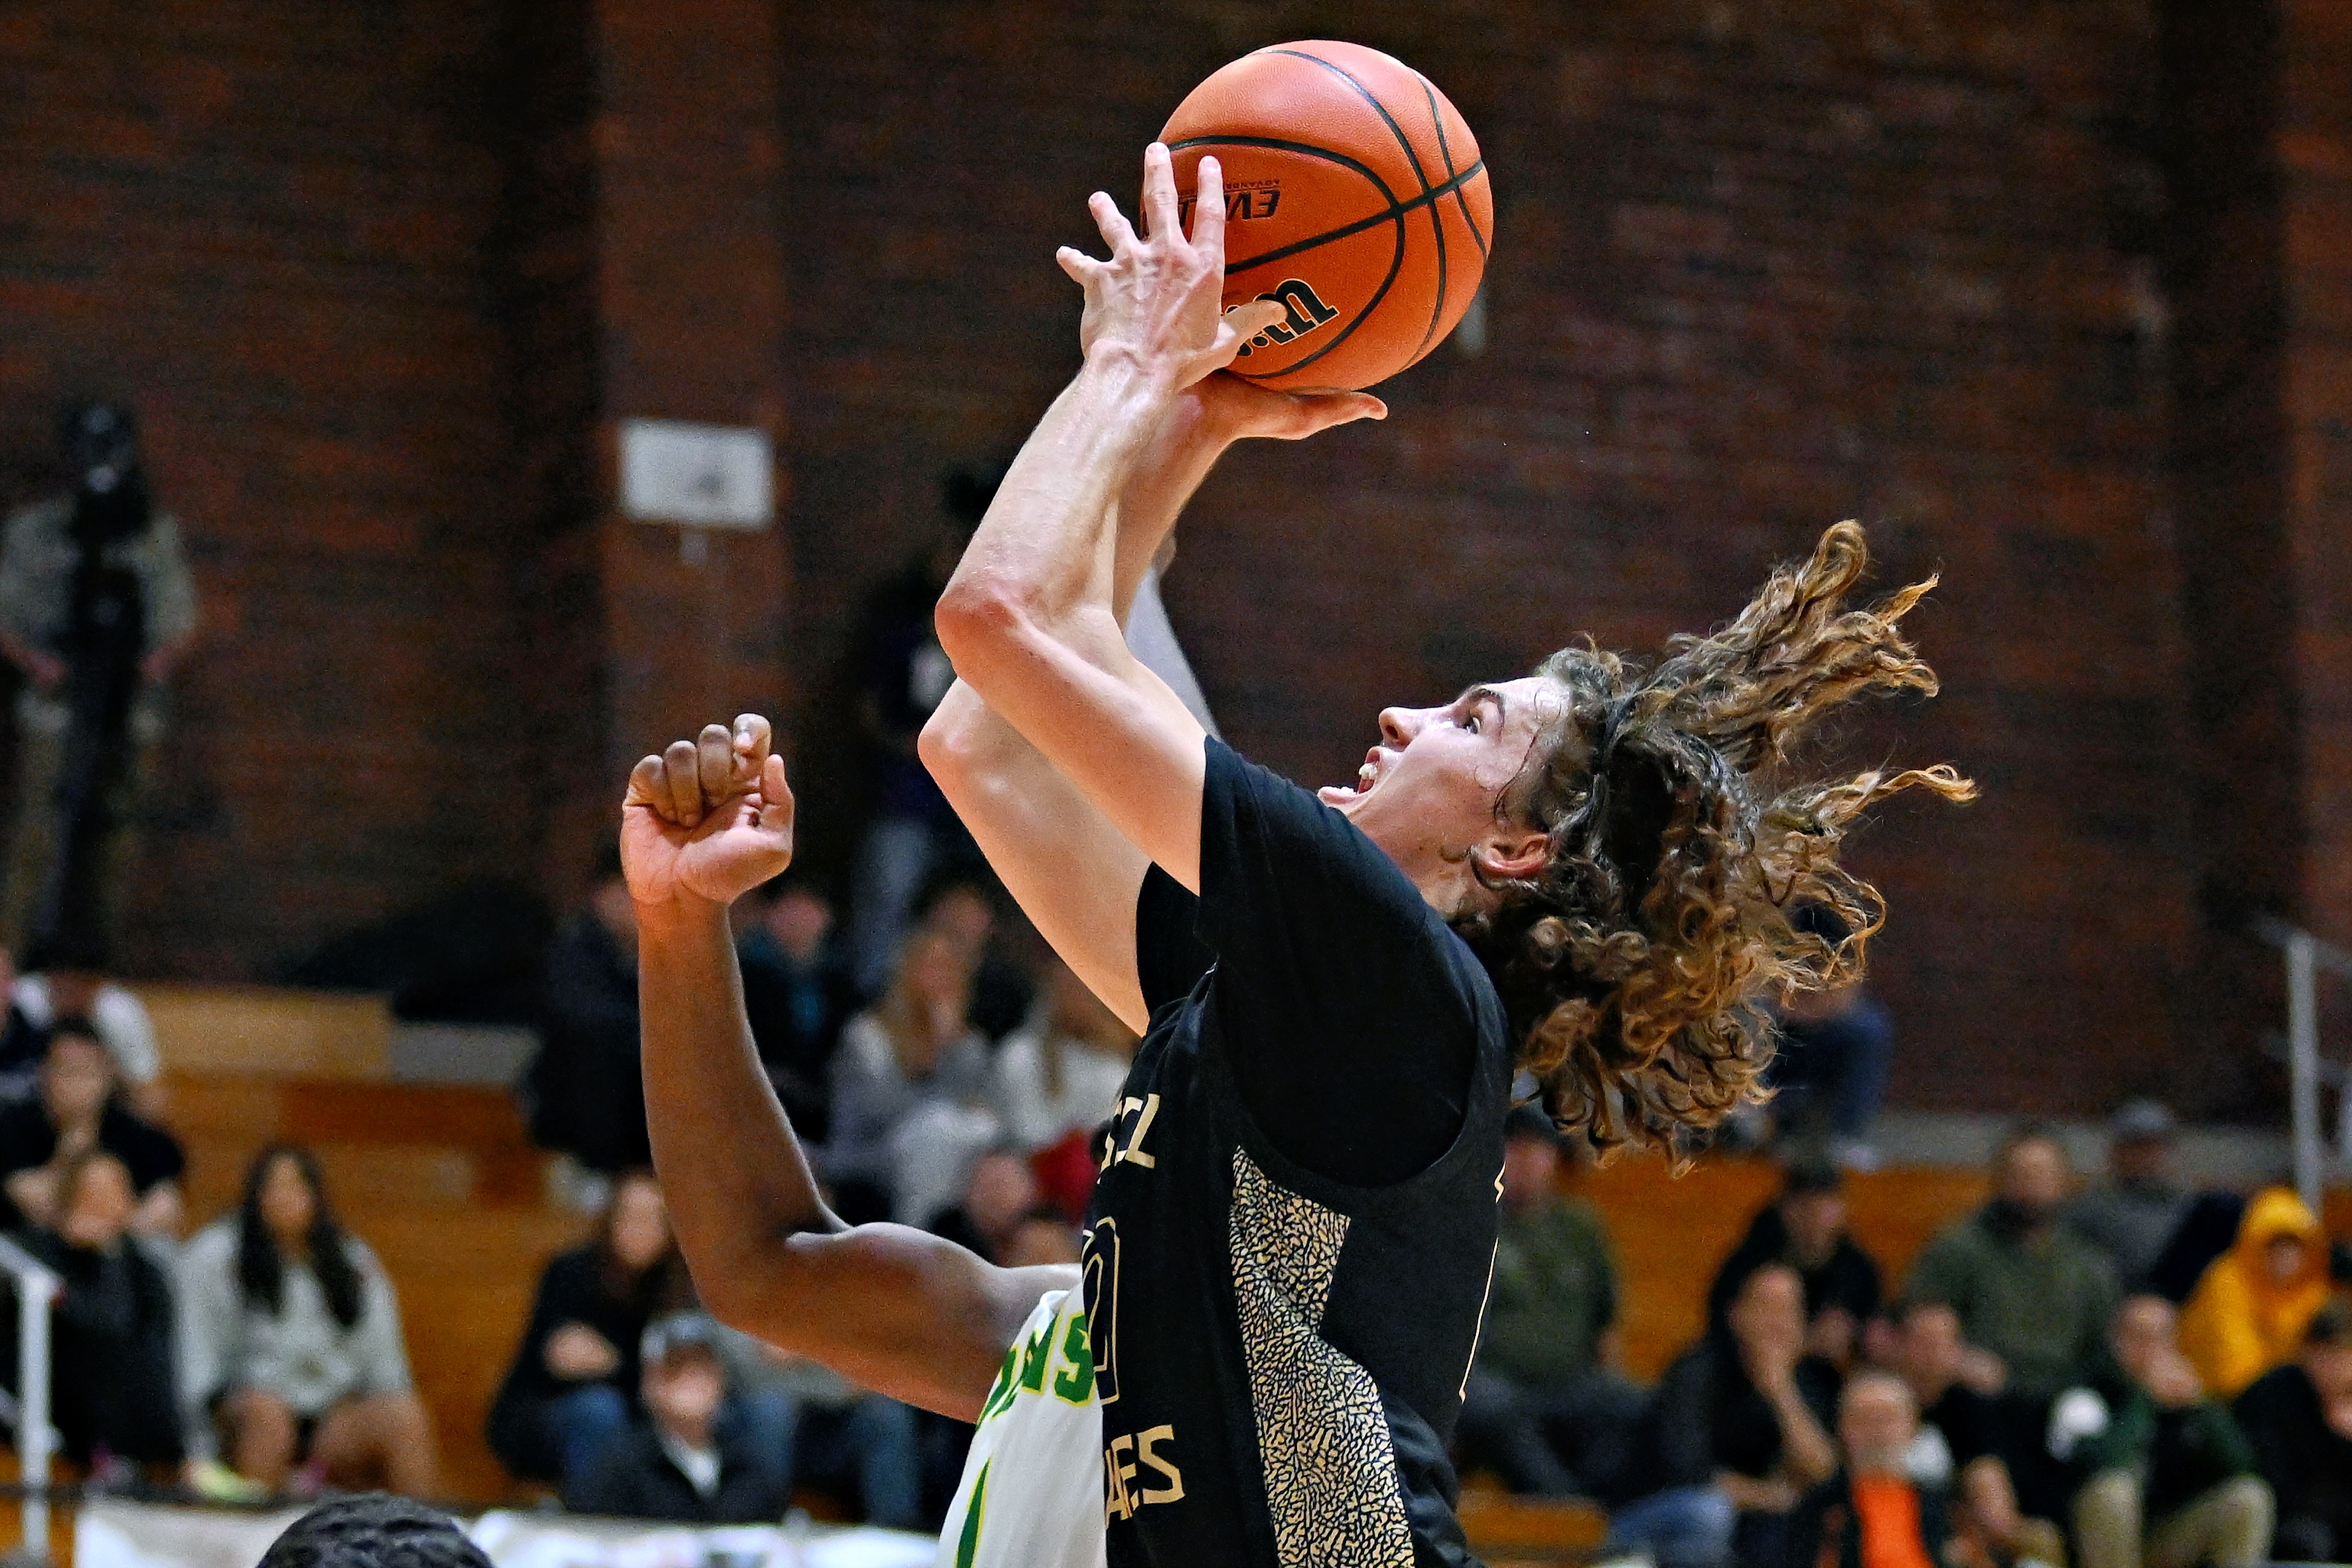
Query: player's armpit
898,1310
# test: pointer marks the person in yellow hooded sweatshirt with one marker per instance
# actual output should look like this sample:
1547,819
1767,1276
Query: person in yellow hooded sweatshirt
2249,1311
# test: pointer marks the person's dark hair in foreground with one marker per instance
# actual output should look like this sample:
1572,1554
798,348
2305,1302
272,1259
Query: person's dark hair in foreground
373,1530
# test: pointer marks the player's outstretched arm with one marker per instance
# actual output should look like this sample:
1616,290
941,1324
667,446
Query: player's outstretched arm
1031,619
905,1314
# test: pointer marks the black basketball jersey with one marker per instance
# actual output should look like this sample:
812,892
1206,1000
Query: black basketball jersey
1280,1356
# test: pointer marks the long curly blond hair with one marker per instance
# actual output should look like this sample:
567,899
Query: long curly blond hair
1635,965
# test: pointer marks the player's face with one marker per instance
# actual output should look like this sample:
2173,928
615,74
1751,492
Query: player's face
1432,788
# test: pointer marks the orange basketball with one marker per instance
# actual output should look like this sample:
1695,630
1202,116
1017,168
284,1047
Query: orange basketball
1354,195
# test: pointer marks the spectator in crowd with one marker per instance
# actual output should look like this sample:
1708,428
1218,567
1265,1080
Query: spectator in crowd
2032,1297
80,1110
21,1043
585,1091
822,1430
1055,1080
97,607
797,994
999,1195
2133,1214
1874,1512
289,1337
68,982
909,1086
2298,1418
1959,1441
902,674
682,1463
372,1531
1833,1049
2249,1313
569,1390
966,908
1544,1409
1044,1237
1806,1229
1734,1436
2172,1478
111,1391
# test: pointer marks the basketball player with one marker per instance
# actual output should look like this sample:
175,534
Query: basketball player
1581,876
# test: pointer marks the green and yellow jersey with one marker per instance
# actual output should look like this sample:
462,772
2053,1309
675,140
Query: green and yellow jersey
1031,1493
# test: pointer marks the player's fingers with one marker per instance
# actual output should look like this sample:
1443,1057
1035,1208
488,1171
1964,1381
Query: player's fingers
775,794
1160,193
1209,212
681,766
1338,408
714,751
1255,316
753,738
1116,231
1081,266
647,789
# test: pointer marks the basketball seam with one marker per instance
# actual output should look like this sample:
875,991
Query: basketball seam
1346,231
1411,156
1463,202
1436,217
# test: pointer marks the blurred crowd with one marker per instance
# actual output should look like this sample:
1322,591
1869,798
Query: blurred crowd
2120,1370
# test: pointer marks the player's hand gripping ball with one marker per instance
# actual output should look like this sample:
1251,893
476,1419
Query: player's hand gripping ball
1354,196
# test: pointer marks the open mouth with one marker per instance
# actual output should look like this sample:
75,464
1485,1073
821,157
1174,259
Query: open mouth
1366,777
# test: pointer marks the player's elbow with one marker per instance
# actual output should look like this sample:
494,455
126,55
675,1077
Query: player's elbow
980,619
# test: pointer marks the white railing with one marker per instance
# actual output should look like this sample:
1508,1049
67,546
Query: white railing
2305,955
37,1291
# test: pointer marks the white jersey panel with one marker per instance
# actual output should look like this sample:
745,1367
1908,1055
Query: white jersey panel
1031,1493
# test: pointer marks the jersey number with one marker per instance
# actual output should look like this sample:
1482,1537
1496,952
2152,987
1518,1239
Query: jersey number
1099,1263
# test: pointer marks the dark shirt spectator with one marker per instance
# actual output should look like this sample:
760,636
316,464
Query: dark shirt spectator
1806,1229
2133,1215
681,1463
999,1194
585,1089
1874,1512
1965,1437
2171,1477
573,1385
797,993
80,1109
111,1394
964,909
1734,1434
2030,1295
901,676
2298,1419
1543,1409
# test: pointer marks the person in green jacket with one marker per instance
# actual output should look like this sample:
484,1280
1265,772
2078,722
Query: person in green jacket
2033,1297
1545,1409
2173,1480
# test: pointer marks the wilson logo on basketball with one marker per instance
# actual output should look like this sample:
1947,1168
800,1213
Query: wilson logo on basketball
1244,204
1306,313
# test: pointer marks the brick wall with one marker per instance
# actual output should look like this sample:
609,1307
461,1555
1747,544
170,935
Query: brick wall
1758,266
264,223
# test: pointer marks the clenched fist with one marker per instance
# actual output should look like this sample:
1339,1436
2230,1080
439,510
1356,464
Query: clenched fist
709,819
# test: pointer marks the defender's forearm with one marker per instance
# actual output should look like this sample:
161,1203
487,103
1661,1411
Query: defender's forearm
737,1181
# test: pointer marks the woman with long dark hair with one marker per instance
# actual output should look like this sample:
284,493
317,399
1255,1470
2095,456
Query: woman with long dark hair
570,1389
290,1350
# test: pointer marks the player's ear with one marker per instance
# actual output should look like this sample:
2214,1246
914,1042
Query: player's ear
1513,854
